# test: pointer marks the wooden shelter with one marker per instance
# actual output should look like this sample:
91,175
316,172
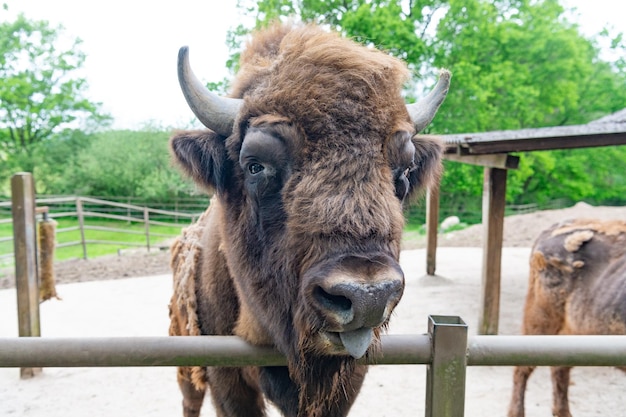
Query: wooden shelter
493,151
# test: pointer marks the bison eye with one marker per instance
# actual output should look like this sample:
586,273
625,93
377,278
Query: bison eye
255,168
401,179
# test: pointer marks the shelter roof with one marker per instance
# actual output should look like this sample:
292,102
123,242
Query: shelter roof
606,131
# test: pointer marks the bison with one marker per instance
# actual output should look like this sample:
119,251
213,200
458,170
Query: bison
310,161
577,286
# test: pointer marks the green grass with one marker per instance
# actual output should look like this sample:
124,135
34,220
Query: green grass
96,249
6,230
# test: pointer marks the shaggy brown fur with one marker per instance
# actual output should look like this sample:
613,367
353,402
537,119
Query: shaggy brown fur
47,281
306,221
577,286
186,251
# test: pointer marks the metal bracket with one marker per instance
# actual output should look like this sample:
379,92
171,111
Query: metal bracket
445,376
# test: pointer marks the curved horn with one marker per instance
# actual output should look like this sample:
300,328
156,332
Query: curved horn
423,112
215,112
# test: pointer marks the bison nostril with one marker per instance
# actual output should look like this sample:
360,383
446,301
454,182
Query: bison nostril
336,303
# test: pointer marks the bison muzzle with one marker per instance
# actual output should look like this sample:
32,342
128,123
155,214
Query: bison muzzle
310,161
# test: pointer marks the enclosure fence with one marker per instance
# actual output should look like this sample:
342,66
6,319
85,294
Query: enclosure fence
446,350
85,208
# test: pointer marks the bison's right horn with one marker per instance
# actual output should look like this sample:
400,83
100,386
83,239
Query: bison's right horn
423,112
215,112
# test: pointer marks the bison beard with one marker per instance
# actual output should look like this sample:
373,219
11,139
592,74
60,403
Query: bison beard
310,163
327,385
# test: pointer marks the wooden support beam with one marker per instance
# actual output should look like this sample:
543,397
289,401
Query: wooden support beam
494,192
501,160
432,225
25,249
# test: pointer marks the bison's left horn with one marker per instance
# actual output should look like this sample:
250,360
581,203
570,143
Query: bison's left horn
423,112
215,112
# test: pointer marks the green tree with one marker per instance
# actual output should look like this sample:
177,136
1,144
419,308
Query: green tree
52,160
123,163
519,64
41,93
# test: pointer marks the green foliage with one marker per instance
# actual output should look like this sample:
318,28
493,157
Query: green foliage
519,64
52,159
385,25
594,175
124,163
110,163
40,93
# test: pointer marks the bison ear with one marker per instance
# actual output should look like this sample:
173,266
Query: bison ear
428,165
201,155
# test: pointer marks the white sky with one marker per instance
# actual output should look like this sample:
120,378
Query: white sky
132,45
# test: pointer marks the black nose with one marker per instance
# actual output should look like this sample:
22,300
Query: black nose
355,305
357,292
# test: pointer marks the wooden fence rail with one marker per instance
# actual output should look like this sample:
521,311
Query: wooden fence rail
130,213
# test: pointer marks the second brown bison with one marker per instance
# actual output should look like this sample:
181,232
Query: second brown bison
577,286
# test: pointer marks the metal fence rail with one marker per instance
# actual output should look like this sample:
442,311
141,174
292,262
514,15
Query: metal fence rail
446,350
233,351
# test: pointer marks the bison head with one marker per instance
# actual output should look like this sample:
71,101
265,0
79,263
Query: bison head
311,164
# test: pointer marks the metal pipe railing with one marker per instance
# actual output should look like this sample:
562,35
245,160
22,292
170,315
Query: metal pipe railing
588,350
232,351
174,351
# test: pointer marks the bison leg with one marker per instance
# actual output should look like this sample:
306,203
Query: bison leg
192,397
560,385
520,378
235,392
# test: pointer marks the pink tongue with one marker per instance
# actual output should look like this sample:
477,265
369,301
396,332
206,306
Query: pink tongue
357,341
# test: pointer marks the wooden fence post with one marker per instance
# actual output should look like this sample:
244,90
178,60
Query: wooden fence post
25,249
432,225
81,225
146,220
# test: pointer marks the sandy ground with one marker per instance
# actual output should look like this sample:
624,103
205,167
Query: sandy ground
138,307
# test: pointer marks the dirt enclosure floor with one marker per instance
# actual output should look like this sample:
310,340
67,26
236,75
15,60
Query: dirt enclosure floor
137,306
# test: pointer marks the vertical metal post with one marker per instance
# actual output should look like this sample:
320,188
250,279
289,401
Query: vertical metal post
146,221
25,249
445,376
494,193
432,225
81,225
